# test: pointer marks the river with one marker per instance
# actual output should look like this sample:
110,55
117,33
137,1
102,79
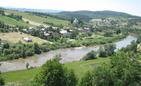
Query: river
67,55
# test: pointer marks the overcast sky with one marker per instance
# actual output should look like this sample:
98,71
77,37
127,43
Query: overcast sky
128,6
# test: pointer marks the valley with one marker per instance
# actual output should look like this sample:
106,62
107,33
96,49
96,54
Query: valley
31,42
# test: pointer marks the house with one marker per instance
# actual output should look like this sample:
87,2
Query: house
87,28
63,31
46,34
27,39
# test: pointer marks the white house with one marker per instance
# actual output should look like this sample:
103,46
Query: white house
46,34
63,31
27,39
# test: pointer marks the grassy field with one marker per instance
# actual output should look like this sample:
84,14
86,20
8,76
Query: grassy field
39,19
15,37
80,68
11,21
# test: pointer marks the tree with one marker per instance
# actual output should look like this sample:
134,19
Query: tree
107,50
110,49
91,55
1,81
126,69
123,70
87,80
118,31
36,48
54,74
2,12
108,34
102,52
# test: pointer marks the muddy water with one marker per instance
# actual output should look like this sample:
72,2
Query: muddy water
67,55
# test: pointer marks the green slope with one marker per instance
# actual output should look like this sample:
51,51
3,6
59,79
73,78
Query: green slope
40,19
11,21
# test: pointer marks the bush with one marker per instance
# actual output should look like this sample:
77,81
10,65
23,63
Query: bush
87,80
102,52
107,50
1,81
54,74
90,55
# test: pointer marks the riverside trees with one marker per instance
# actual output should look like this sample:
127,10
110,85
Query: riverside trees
104,51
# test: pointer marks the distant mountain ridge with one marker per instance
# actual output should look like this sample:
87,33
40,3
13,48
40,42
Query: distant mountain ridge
83,15
86,15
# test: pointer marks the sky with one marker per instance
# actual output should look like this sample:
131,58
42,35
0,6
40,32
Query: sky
128,6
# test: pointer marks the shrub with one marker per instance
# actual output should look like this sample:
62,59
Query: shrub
87,80
91,55
54,74
1,81
107,50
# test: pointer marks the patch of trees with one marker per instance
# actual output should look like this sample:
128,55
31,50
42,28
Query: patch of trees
105,51
54,74
132,47
10,51
123,70
7,28
1,81
91,55
17,17
108,34
47,15
4,27
2,12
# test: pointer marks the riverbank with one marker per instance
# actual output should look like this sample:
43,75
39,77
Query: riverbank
67,55
19,50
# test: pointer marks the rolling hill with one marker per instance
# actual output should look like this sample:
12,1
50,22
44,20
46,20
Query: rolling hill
39,19
12,21
87,15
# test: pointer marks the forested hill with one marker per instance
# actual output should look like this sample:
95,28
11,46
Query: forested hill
87,15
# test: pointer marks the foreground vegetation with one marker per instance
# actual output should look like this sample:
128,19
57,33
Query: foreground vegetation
27,75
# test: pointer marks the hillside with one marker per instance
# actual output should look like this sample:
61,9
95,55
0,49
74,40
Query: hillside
87,15
39,19
12,21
